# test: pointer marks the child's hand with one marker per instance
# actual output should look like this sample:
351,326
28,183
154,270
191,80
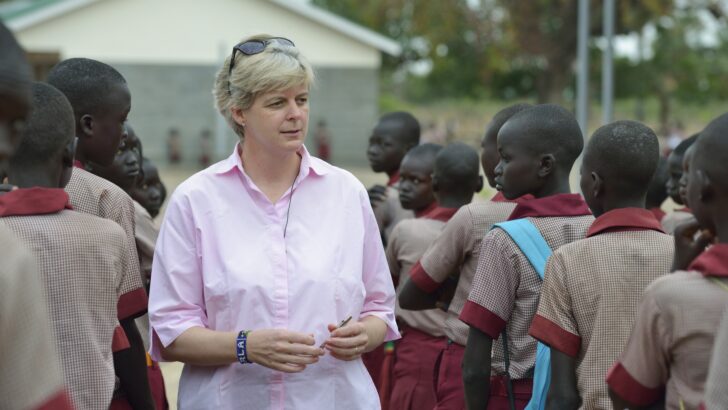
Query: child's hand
377,195
348,342
690,242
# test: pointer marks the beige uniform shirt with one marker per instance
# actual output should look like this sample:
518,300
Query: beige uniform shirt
674,219
670,347
30,372
82,265
591,291
506,287
716,389
409,240
390,212
455,252
146,233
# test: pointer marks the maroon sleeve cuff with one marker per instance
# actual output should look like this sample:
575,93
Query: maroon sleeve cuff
132,304
119,341
59,401
483,319
419,277
626,387
557,338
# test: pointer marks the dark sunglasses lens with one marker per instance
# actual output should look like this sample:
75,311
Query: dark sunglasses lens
251,47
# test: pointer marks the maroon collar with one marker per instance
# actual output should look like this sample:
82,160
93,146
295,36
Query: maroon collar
499,197
553,205
393,179
424,212
440,214
624,219
712,262
684,209
78,164
33,201
658,213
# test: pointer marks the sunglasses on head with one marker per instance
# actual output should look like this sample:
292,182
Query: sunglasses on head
253,47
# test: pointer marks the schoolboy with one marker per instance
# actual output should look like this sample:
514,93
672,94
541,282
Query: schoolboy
101,102
80,256
124,172
668,353
538,147
393,136
30,374
149,189
454,179
675,168
456,251
592,286
716,388
656,192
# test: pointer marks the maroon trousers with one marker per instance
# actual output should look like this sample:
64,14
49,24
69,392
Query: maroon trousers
413,387
499,394
449,388
156,385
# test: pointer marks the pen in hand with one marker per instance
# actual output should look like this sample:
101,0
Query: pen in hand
341,324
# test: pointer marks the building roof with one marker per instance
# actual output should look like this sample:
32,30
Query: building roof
23,14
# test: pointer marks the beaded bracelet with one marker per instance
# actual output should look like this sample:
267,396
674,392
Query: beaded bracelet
241,345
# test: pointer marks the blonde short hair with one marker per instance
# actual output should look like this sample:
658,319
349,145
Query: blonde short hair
278,67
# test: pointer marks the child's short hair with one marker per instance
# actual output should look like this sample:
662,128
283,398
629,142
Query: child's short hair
426,151
457,164
86,83
711,151
656,192
683,146
410,127
552,128
49,127
14,69
505,114
278,67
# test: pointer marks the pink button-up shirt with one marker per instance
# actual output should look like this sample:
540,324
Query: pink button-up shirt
222,262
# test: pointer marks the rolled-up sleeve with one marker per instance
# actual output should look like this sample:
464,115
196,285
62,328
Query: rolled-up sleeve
380,295
176,301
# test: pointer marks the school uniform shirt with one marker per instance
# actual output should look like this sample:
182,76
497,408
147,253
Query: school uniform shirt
409,240
506,287
389,212
456,250
30,374
145,233
81,262
228,259
671,221
591,291
716,389
668,352
94,195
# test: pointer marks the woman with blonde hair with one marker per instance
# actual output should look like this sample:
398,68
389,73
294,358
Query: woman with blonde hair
263,256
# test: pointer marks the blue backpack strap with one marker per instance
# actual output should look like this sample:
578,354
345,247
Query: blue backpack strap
533,245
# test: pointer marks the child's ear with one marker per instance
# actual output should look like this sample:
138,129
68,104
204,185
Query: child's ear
479,184
548,163
706,185
87,124
598,185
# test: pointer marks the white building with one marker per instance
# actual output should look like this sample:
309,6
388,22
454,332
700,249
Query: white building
169,51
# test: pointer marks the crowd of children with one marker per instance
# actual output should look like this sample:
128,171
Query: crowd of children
536,298
541,298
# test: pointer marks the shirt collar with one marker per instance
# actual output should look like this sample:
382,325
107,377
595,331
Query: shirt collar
78,164
440,213
624,219
713,261
499,197
426,211
33,201
308,165
553,205
393,179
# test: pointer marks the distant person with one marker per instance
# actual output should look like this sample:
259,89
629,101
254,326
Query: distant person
149,190
666,360
205,157
174,147
656,192
675,168
322,137
30,369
